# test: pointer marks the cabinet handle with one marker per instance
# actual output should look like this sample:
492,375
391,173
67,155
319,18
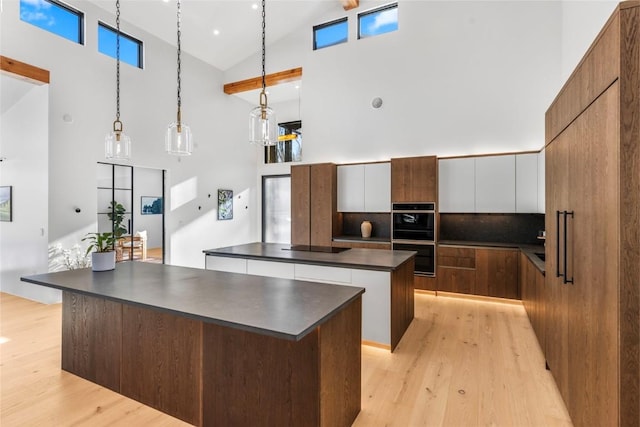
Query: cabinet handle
558,274
565,279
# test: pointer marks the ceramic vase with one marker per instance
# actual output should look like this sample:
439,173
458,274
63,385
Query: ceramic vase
103,261
365,229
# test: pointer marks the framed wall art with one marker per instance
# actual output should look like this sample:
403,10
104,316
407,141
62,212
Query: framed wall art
150,205
6,211
225,204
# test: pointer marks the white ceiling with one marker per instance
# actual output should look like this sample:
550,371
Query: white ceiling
238,23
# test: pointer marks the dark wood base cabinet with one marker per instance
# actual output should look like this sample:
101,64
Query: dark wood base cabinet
532,289
211,375
592,293
479,271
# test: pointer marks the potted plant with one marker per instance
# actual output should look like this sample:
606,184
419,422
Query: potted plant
104,257
117,216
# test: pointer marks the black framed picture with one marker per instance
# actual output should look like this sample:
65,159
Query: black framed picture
150,205
6,212
225,204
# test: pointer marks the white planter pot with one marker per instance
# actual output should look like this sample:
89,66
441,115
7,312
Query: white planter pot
103,261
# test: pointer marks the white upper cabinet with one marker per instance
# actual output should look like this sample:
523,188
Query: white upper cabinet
456,185
496,184
377,187
527,183
351,188
364,187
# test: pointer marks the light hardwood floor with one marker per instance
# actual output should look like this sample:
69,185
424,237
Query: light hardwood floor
461,363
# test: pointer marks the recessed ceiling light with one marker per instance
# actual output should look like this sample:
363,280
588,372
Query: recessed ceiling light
297,86
254,6
166,1
216,32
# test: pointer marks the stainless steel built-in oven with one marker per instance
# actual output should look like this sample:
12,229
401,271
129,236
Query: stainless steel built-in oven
413,228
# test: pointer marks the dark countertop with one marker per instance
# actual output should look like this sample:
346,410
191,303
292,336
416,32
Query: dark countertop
528,250
287,309
364,259
361,239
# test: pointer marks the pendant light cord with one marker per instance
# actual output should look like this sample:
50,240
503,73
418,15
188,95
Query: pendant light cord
179,63
263,45
118,62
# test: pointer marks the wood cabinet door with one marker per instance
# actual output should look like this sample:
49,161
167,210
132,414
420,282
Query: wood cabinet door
497,273
593,263
323,204
460,280
526,289
556,314
300,205
414,179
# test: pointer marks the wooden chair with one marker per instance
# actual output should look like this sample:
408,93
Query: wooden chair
134,245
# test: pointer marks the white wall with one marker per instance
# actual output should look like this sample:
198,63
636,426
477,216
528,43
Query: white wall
23,242
581,23
83,86
456,78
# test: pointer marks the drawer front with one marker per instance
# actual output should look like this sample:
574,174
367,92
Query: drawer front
282,270
231,265
322,274
456,257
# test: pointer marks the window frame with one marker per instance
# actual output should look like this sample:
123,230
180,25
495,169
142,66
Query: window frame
326,25
77,12
124,35
388,6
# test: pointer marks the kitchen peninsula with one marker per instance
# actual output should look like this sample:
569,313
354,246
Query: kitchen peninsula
214,348
387,276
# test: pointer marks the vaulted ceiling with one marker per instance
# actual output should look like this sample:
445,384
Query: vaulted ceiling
221,32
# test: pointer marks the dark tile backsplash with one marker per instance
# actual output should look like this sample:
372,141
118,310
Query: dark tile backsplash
380,224
501,228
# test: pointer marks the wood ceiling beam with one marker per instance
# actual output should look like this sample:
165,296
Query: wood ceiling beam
28,72
270,80
350,4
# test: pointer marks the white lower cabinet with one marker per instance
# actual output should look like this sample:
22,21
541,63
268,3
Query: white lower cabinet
376,301
322,274
221,263
282,270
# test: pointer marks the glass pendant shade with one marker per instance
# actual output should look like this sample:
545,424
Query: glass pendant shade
117,146
263,126
178,140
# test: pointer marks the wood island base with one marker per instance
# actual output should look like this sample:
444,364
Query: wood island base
208,374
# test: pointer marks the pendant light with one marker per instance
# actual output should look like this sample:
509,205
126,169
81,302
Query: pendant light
263,125
117,144
178,140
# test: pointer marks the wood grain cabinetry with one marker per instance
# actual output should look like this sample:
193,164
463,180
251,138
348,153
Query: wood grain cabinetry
497,273
414,179
363,245
532,290
478,271
314,218
591,319
456,269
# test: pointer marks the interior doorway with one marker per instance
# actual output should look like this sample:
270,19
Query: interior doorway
131,205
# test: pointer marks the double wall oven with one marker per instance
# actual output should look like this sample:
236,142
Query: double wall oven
413,228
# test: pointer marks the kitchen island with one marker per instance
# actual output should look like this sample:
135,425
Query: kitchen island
215,348
387,276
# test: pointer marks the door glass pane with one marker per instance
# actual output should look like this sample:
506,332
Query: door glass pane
276,209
